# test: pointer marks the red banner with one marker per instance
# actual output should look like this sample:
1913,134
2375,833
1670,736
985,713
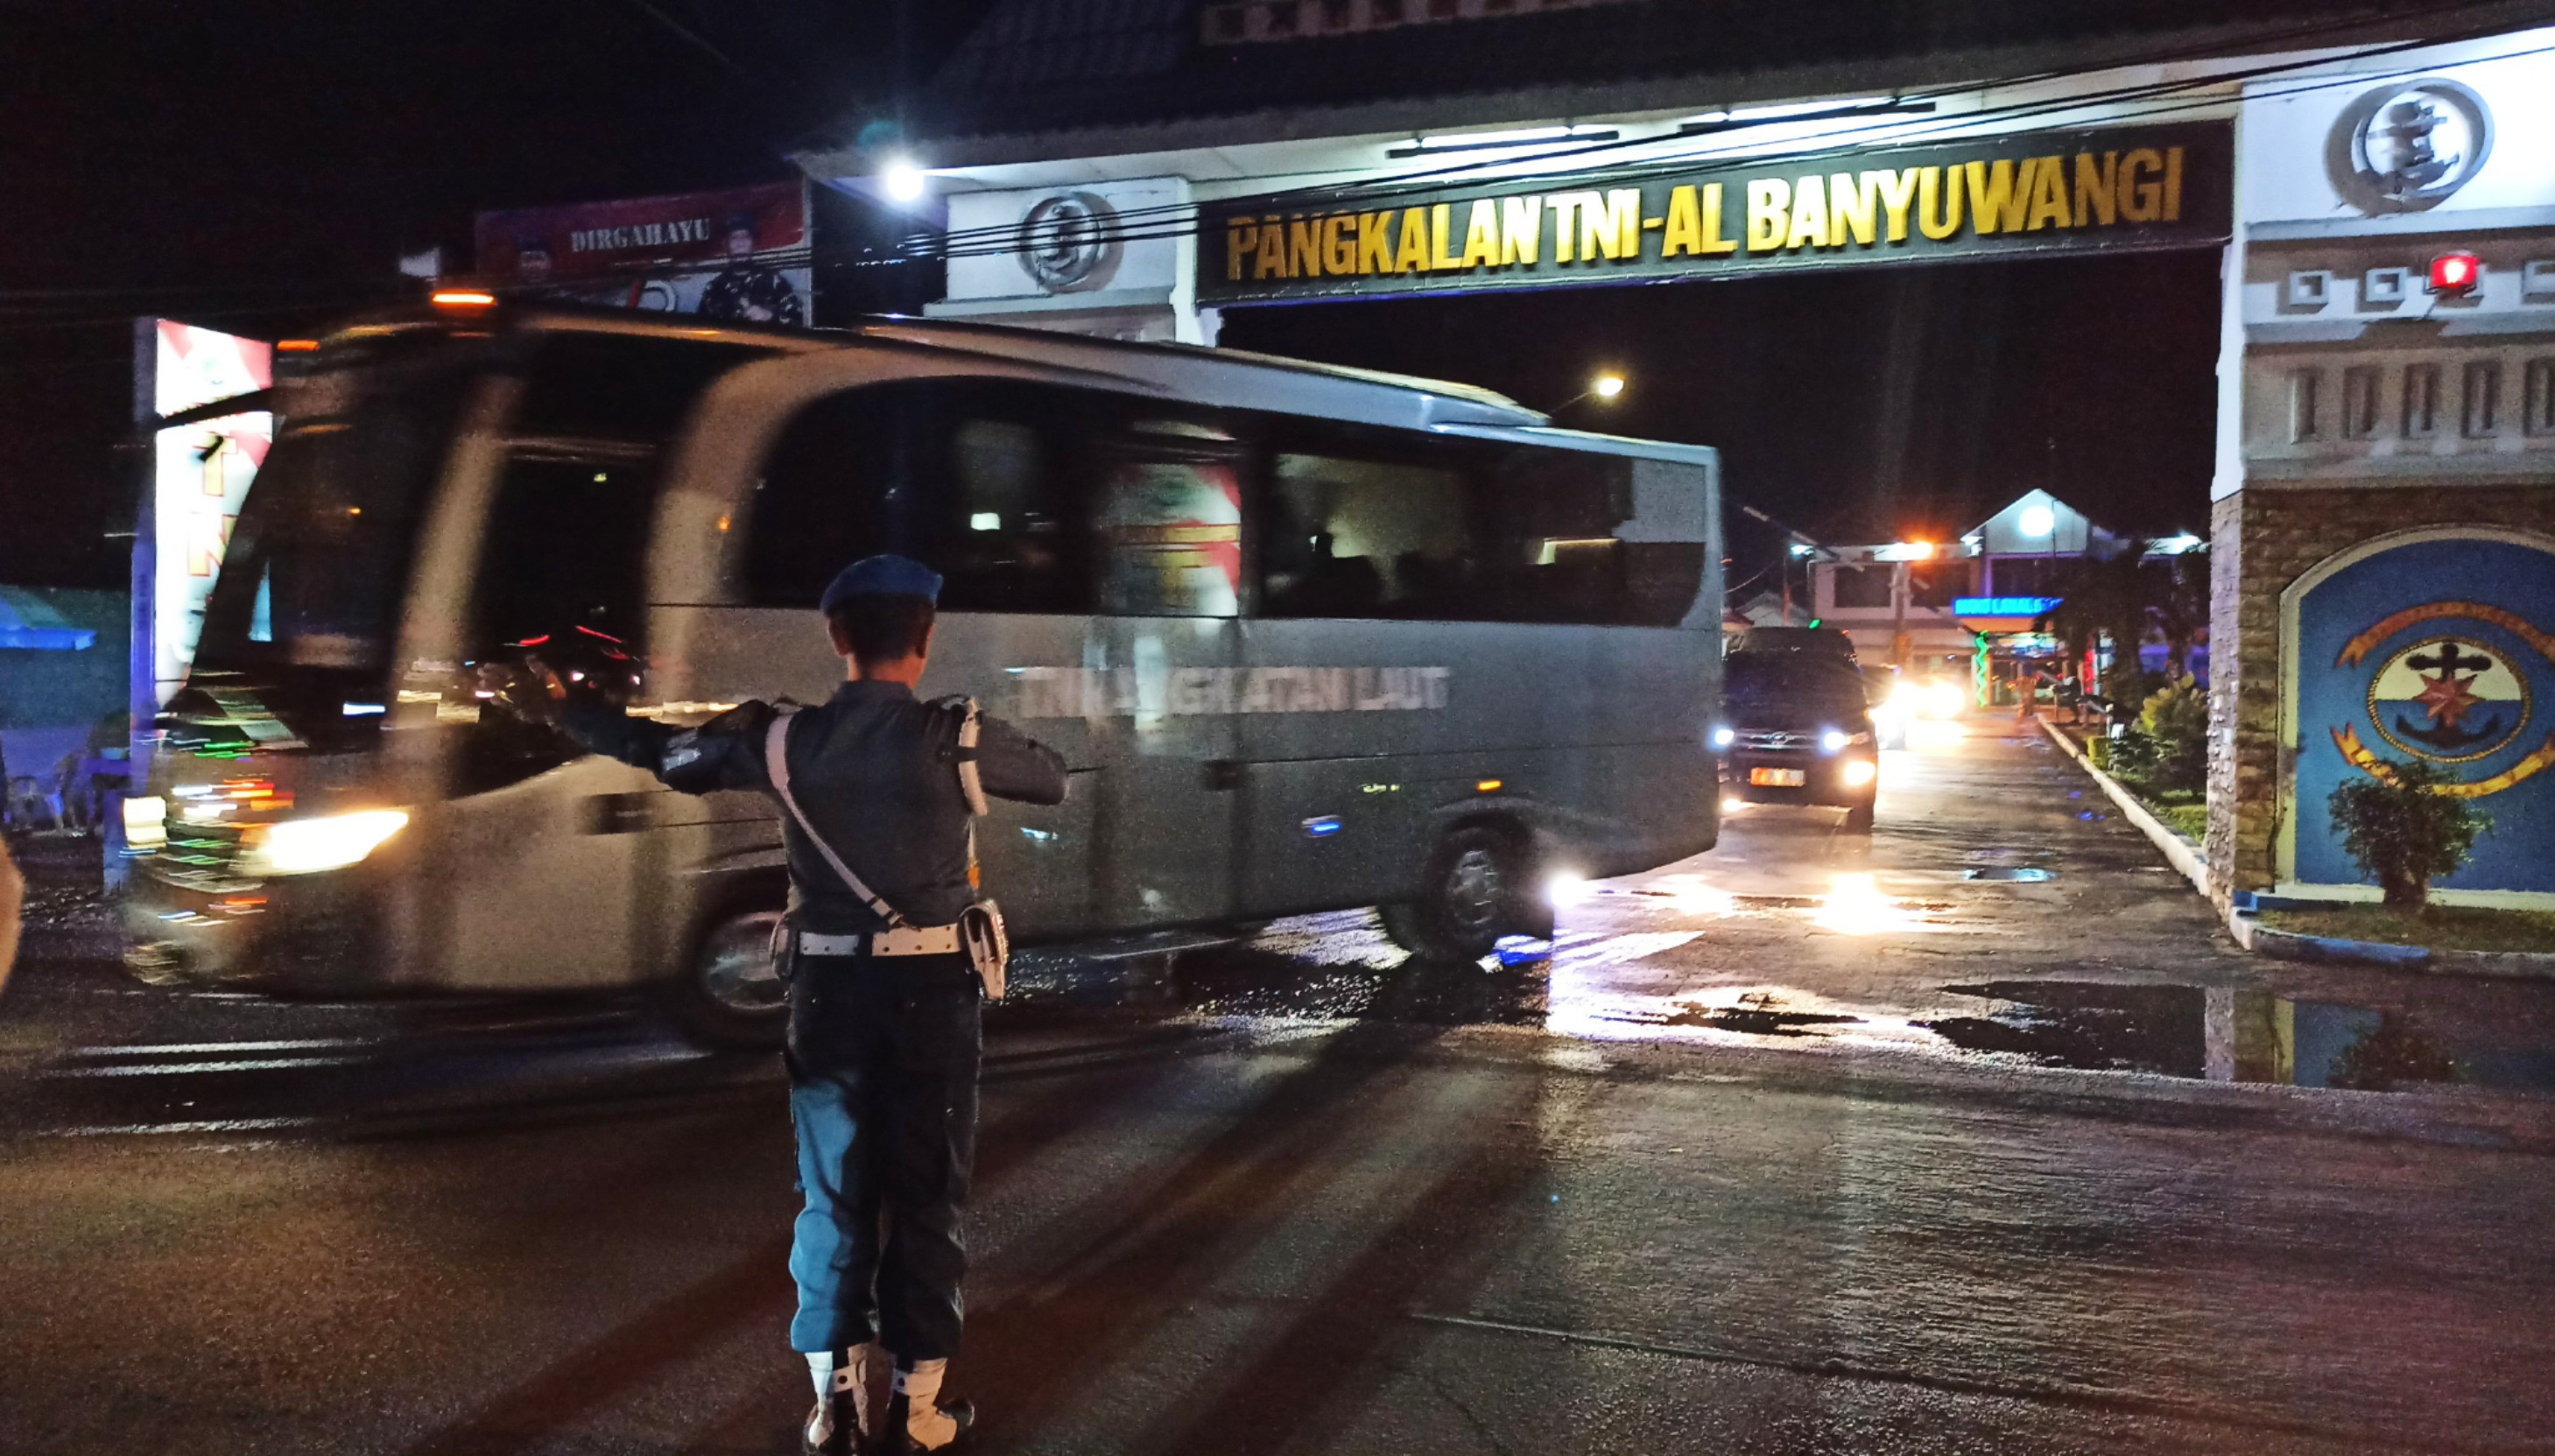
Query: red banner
586,240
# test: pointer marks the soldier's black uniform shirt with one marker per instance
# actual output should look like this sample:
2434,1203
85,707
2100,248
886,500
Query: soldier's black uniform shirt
872,767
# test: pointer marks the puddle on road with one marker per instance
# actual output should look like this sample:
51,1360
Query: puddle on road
2232,1035
2019,874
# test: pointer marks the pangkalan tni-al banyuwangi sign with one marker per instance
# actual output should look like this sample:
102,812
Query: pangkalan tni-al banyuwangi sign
2121,188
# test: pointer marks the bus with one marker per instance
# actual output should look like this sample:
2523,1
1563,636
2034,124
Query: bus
1309,639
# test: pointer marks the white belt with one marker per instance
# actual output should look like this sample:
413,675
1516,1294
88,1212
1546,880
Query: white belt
908,940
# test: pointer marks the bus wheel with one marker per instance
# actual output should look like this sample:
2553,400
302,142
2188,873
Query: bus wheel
1475,893
729,994
1404,924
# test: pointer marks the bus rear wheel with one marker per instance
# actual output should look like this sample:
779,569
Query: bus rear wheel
730,995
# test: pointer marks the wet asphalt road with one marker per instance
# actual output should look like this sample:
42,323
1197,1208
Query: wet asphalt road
1813,1144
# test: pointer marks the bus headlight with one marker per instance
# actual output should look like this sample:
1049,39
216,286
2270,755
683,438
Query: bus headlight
145,821
1723,737
1859,772
329,842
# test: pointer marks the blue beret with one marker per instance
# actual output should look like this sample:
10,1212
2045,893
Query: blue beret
881,576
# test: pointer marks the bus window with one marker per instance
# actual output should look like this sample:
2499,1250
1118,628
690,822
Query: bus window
1373,523
966,478
1356,536
565,555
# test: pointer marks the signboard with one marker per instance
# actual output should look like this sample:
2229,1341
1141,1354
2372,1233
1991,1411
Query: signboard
200,476
2030,194
2440,649
739,254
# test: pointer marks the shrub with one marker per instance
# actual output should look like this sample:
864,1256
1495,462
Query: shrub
2175,722
2401,830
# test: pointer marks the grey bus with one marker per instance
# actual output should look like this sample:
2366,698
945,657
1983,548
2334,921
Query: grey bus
1308,638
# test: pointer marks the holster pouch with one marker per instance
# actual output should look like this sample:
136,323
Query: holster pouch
784,949
988,945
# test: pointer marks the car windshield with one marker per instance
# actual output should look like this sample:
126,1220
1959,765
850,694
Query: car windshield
1790,681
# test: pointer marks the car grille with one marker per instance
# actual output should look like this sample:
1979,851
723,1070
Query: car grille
1776,741
201,857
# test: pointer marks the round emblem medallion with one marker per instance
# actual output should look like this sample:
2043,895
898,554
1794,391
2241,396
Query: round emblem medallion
2449,699
2407,147
1067,242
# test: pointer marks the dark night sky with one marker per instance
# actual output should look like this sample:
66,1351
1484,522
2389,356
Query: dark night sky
263,162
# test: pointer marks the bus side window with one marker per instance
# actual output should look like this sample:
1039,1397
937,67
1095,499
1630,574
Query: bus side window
565,555
1355,528
965,477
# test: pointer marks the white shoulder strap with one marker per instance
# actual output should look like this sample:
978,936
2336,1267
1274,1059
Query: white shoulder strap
775,762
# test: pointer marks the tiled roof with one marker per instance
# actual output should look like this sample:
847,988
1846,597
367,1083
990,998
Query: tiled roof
1046,65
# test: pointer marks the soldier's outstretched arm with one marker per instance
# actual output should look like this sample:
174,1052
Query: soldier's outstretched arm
1012,765
724,753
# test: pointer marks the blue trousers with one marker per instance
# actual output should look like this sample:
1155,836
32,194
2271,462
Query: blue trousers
883,1057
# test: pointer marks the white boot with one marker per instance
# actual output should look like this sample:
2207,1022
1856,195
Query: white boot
841,1422
928,1425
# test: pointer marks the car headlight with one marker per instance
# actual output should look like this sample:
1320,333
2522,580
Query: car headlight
1723,737
328,842
1834,741
145,821
1860,771
1943,700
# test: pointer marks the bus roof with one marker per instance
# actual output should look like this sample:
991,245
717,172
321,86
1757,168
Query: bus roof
1209,375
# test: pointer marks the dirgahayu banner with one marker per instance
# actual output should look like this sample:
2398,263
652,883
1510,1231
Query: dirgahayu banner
2124,188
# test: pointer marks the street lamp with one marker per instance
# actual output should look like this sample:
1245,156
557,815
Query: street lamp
2036,522
902,180
1608,387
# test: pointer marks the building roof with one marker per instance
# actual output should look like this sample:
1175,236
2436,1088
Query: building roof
1043,66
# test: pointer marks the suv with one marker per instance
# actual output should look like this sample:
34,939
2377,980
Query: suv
1796,730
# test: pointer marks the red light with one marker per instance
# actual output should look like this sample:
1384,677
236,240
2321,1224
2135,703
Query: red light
295,347
2455,273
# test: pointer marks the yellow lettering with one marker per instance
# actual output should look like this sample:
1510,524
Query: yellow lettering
1945,181
1623,219
1482,235
1273,251
1374,242
1241,236
2049,194
1809,214
2173,184
1439,217
1304,248
2097,196
1998,199
1713,241
2140,201
1520,229
1770,212
1413,255
1339,250
1897,191
1852,206
1684,232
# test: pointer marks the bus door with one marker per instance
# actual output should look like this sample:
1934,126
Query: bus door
534,837
1158,684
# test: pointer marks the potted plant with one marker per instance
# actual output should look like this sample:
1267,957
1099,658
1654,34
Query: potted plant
2402,830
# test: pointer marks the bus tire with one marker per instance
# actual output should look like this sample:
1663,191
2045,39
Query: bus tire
1858,817
1476,891
728,995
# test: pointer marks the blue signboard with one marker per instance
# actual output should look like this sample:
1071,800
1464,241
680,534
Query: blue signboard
2441,650
2002,606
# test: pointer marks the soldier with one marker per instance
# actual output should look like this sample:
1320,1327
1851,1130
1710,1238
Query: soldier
885,998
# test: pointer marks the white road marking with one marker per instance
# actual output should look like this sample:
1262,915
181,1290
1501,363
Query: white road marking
186,1068
205,1048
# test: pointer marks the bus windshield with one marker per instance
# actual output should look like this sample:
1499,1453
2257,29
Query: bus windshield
311,584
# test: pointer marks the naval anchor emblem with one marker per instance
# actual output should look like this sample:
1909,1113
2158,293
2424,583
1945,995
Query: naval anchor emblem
1069,243
2451,698
2405,148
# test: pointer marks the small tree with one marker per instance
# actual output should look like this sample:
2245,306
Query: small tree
2402,830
